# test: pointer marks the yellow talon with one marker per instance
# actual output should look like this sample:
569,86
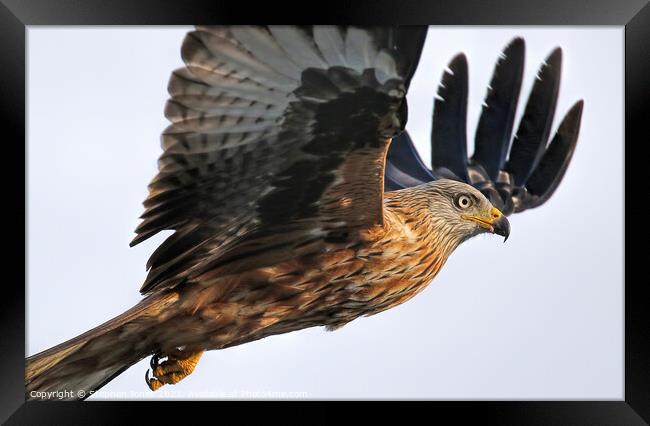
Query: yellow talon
171,371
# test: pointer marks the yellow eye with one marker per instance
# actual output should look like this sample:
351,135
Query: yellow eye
463,202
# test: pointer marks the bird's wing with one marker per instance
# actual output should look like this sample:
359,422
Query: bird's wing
534,167
273,126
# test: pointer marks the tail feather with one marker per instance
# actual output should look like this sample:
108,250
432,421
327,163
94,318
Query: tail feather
82,365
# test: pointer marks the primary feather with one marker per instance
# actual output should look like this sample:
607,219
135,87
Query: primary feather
533,169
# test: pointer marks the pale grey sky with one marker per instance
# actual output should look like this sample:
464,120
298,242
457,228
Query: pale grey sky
540,317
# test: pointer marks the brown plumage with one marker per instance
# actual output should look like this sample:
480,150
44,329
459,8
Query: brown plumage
272,179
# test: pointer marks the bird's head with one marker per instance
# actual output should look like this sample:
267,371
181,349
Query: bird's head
463,211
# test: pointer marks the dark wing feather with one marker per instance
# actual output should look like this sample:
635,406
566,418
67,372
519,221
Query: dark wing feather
449,131
273,126
550,171
494,129
533,170
535,125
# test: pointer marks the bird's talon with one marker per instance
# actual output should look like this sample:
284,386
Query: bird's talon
153,383
171,371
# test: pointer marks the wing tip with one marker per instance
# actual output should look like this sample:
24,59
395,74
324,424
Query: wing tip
574,118
136,240
456,68
578,106
458,61
555,57
140,237
516,46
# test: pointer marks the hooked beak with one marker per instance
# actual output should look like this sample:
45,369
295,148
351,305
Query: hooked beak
496,222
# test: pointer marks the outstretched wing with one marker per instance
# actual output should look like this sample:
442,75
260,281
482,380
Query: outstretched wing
274,127
534,167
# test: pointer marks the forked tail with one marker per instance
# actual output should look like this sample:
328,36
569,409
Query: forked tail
77,368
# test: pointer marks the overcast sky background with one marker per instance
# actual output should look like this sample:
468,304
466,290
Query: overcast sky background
540,317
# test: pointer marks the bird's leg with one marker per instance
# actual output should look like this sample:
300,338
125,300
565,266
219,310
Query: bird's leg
175,368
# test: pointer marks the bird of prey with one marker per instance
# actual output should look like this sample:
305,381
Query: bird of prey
297,198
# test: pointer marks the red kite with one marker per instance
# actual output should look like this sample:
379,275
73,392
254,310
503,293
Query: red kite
298,200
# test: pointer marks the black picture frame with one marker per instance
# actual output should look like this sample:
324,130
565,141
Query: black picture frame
15,15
